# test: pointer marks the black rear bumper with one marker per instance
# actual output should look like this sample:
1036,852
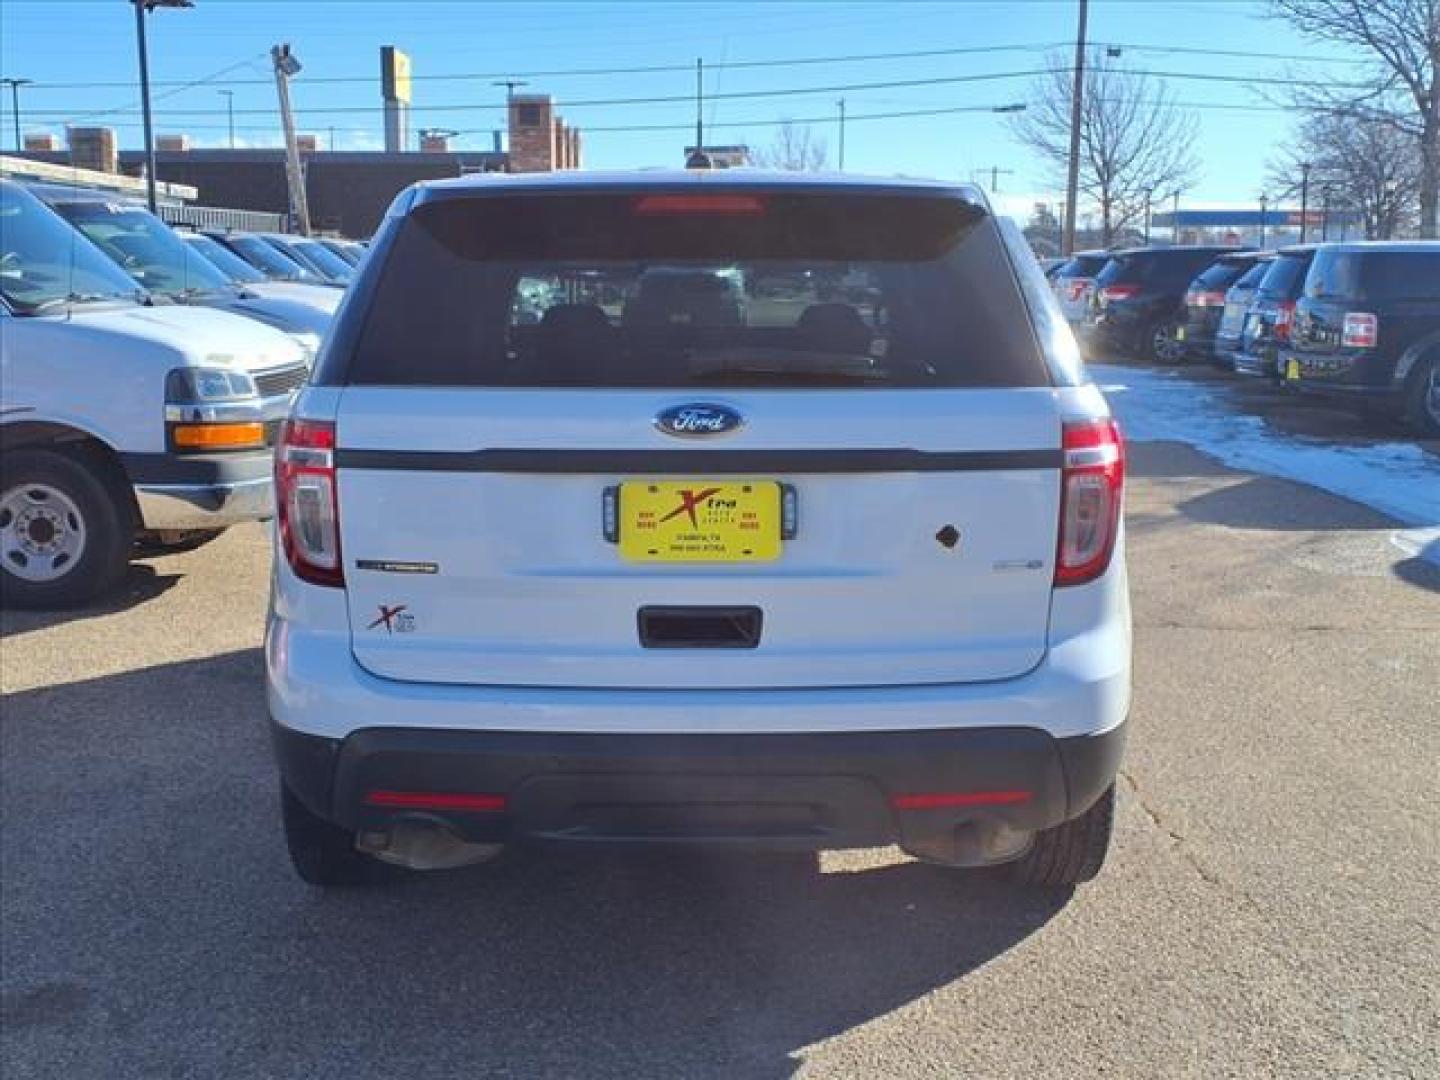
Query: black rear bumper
812,791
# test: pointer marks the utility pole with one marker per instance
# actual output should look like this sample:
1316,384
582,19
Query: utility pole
995,172
1072,172
1175,220
1304,200
1264,205
15,85
698,158
229,96
699,105
1149,207
287,66
841,104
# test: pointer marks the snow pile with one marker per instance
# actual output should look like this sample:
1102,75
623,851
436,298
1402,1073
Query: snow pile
1397,479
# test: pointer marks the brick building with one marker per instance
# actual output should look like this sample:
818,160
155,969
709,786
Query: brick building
348,190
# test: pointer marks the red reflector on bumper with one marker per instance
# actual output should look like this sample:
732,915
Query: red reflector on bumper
434,800
934,800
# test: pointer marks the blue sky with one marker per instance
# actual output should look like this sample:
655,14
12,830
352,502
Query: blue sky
222,44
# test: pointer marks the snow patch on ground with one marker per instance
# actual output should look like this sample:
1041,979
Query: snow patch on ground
1395,478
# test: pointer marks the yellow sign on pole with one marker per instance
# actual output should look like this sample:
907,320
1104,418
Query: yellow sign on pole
395,74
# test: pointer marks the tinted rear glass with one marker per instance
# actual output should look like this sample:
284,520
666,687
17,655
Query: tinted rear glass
1220,276
789,290
1285,276
1375,275
1251,278
1162,268
1083,266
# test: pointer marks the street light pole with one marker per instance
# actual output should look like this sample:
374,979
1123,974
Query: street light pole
841,103
15,85
229,96
1072,172
1264,205
1304,200
143,8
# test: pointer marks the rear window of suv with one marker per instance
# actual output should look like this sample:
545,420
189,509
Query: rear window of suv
697,290
1221,276
1375,275
1083,266
1251,278
1286,276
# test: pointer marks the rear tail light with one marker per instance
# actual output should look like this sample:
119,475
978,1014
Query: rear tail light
307,502
1078,289
1118,292
1205,299
1091,489
1361,330
1284,319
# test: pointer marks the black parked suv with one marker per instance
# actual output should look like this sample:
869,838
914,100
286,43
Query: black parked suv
1205,303
1238,301
1266,328
1139,300
1368,328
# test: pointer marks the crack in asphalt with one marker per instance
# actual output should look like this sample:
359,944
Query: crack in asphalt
1178,839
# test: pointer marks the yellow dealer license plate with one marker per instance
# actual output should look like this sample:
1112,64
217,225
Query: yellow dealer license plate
1292,370
699,521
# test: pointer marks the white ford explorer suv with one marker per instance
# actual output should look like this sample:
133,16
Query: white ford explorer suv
709,507
119,420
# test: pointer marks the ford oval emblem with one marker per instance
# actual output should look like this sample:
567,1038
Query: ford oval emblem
696,421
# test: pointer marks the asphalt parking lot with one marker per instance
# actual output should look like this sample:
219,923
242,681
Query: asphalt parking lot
1268,908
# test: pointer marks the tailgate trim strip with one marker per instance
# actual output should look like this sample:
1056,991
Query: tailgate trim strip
690,462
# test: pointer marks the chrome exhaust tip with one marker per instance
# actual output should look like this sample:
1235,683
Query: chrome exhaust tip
422,842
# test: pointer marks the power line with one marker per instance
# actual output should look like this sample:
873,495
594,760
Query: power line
648,69
951,80
610,102
586,72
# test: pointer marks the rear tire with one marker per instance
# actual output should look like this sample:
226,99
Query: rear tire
66,529
1422,399
323,853
1071,853
1160,347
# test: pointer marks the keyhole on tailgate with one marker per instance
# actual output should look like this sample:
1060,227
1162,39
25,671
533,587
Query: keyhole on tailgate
948,536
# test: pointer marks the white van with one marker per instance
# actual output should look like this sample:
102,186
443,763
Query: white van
119,419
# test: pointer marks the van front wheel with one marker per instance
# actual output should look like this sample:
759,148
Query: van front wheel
65,530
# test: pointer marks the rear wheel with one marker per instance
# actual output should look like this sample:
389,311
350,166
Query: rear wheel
1071,853
1162,346
322,852
1422,400
65,529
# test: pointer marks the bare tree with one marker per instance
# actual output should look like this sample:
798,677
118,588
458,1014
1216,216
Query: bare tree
1372,169
795,148
1134,141
1402,39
